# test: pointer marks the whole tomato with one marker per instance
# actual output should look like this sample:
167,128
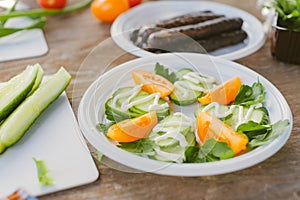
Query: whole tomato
133,3
108,10
52,4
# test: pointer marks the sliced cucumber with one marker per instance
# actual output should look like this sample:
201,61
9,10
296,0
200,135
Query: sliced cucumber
20,120
187,91
222,109
115,112
16,90
178,122
182,72
168,143
38,80
109,108
258,115
171,136
144,108
179,98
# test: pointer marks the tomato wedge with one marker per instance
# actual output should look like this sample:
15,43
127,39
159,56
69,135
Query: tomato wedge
211,127
223,94
152,83
130,130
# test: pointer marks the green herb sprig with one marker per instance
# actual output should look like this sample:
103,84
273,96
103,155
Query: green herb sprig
288,13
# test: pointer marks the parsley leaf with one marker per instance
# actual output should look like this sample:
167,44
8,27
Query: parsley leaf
164,72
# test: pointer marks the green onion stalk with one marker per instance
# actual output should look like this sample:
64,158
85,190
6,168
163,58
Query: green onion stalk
37,14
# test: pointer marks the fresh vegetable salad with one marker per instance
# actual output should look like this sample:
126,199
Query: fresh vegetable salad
230,118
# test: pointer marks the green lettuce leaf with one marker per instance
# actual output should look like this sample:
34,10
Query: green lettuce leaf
250,95
277,129
212,150
104,127
253,129
140,147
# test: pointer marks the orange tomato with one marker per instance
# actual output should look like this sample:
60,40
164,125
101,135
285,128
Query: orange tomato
52,4
223,94
152,83
130,130
211,127
108,10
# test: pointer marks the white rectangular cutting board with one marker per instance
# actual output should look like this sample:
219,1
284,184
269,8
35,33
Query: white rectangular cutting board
24,44
56,139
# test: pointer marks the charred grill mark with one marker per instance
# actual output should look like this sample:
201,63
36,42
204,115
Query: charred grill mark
188,19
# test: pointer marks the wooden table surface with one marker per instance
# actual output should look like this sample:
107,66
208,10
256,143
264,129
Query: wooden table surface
73,38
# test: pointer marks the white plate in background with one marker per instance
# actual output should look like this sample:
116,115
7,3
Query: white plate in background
149,13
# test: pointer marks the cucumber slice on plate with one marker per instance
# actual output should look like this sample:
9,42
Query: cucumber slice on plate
19,121
143,102
16,89
190,86
233,118
185,97
171,136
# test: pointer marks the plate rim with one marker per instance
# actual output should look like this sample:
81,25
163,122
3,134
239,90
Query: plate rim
174,169
123,42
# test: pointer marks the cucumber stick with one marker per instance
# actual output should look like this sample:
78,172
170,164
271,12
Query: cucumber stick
38,80
19,121
16,89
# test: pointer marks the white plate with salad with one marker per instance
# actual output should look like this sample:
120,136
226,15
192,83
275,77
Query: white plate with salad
256,122
150,13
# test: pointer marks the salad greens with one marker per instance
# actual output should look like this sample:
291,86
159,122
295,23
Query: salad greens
262,134
99,156
250,95
164,72
173,138
288,13
104,127
42,171
211,150
140,147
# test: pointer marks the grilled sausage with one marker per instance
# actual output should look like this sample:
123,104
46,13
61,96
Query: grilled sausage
188,19
141,36
205,45
201,30
223,40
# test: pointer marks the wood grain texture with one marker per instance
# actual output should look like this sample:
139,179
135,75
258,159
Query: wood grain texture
71,38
